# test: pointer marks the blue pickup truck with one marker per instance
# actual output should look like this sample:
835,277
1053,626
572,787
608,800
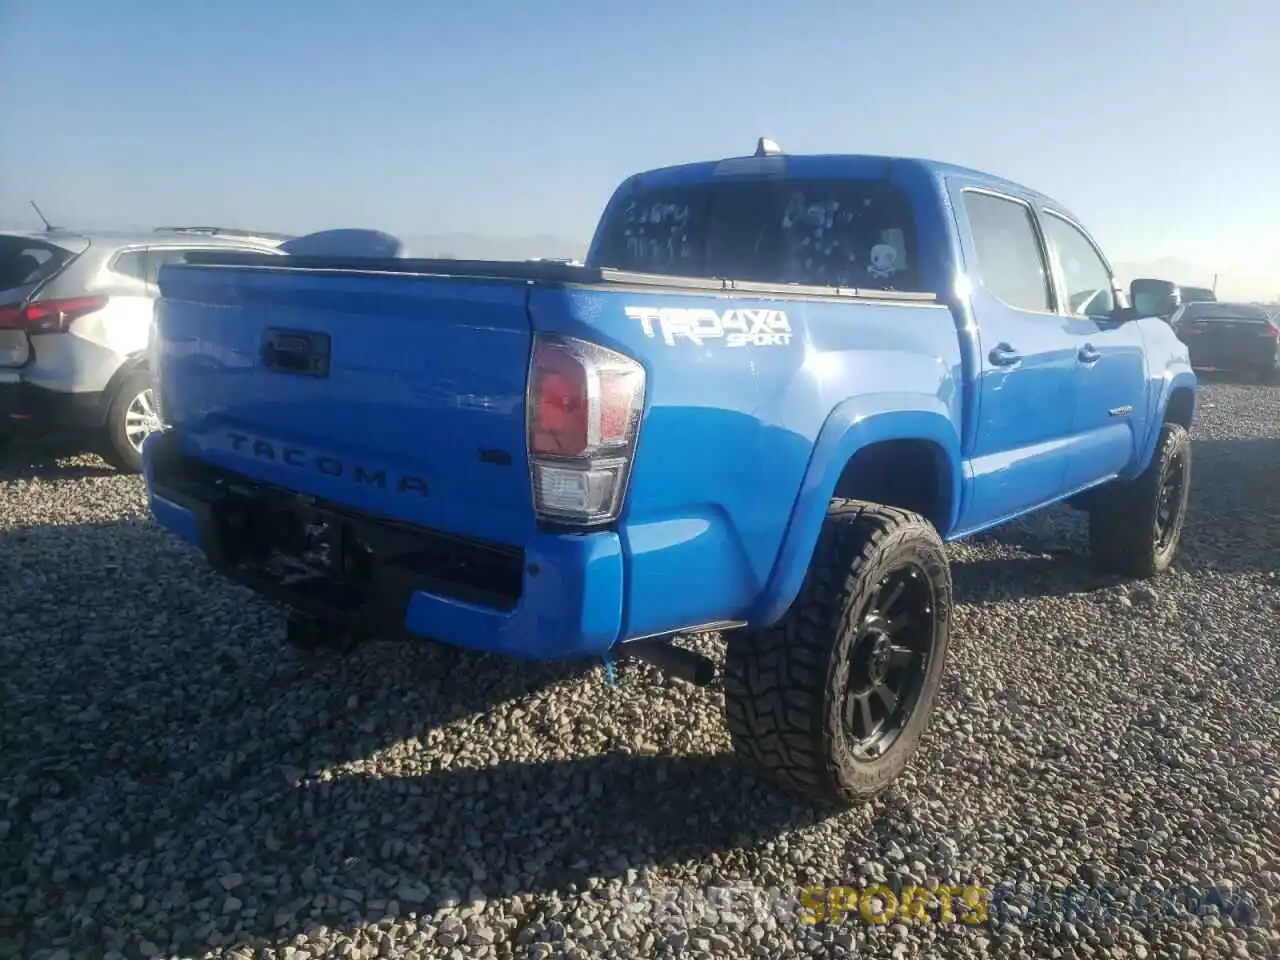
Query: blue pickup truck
774,388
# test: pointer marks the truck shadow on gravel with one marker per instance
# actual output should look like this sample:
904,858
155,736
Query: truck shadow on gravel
193,788
1233,527
372,847
175,778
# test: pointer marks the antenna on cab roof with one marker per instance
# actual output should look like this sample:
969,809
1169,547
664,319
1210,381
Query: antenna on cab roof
767,148
48,227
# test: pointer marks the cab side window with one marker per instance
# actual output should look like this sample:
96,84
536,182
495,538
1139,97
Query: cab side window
1090,289
1011,261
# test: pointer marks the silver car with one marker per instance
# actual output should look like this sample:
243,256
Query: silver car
75,312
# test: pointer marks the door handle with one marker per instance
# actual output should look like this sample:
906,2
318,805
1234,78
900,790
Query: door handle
1003,355
1089,354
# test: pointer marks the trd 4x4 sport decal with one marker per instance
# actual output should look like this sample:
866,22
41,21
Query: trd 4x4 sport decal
737,328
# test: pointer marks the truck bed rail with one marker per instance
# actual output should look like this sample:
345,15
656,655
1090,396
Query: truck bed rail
530,271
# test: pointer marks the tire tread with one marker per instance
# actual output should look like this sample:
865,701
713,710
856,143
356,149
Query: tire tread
1120,523
777,681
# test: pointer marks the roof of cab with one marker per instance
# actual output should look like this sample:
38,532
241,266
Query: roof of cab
936,168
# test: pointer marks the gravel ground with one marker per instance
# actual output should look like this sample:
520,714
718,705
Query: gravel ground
176,783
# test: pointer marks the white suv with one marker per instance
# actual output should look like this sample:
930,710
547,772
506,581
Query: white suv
75,313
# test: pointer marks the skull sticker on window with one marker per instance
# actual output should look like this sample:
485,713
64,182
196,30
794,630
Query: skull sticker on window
884,261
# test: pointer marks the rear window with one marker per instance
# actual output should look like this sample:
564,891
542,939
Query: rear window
1225,312
25,262
849,233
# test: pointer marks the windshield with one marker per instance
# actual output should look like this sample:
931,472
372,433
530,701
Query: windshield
847,233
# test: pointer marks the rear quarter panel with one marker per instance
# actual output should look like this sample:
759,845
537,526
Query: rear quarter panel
738,440
86,360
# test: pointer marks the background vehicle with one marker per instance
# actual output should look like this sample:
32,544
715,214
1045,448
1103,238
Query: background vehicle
1197,294
75,311
1145,289
1238,337
762,405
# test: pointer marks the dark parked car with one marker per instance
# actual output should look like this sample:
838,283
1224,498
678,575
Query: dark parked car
1197,295
1230,336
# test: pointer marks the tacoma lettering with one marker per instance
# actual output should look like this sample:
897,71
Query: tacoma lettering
330,466
737,328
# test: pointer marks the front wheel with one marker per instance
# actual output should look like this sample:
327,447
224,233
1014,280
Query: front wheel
832,700
131,418
1135,527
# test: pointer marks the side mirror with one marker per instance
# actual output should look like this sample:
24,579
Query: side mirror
1154,298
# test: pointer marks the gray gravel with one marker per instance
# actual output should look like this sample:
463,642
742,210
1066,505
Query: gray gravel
173,783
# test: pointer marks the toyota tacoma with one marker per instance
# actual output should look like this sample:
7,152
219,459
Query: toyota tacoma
774,389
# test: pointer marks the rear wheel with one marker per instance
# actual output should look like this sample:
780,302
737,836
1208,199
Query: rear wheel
131,418
831,702
1135,527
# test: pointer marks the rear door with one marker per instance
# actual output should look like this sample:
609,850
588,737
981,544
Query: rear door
1110,359
1027,387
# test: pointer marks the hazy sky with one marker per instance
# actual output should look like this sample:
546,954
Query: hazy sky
1157,123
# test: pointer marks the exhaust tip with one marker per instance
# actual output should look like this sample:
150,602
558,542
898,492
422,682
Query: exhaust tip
679,662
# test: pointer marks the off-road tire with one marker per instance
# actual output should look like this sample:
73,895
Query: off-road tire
784,686
1123,519
115,447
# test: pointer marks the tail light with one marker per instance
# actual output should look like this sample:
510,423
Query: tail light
1273,333
49,316
583,415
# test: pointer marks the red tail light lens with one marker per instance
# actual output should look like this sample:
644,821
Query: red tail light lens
49,316
1273,333
560,402
583,413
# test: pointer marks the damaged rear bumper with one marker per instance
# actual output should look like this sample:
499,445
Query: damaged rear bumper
557,597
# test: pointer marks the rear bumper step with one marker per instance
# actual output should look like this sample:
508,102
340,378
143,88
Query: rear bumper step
558,598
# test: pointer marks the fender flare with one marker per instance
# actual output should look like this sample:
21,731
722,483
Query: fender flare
1175,378
853,425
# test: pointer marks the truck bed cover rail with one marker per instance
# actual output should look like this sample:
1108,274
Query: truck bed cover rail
544,271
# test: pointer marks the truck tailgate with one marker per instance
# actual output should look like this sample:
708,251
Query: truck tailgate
397,394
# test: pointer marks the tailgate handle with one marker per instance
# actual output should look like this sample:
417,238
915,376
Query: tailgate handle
296,351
